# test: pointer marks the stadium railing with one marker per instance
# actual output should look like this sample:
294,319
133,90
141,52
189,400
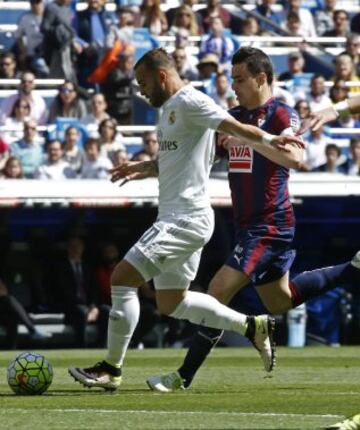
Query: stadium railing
103,193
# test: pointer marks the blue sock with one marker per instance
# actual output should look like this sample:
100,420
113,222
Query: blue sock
203,341
311,284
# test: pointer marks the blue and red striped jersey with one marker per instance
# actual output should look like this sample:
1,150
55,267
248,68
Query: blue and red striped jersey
259,187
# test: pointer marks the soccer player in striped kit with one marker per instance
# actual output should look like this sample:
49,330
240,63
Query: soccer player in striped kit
169,251
263,217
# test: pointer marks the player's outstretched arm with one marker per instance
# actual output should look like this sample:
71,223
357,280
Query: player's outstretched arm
285,150
132,170
316,119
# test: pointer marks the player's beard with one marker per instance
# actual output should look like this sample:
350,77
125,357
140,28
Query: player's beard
159,96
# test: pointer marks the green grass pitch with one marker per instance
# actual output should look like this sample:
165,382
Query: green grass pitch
310,388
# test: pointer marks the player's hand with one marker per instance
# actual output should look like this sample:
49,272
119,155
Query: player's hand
283,143
316,119
130,170
93,314
225,141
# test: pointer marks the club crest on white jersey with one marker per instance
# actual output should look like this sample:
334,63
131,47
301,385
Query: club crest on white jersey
172,117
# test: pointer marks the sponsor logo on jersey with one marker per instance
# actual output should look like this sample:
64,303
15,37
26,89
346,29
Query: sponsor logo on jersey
241,159
172,117
168,145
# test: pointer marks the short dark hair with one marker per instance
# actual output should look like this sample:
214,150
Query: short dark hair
256,61
155,59
340,12
332,146
92,141
354,141
292,15
124,9
51,141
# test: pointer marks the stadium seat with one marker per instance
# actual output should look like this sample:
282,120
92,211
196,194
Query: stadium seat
143,113
12,16
58,132
7,39
143,42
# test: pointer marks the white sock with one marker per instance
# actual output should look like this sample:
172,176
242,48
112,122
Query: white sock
123,318
205,310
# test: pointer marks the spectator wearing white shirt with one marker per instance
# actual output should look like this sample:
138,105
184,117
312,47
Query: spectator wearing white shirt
293,25
324,17
14,123
98,112
109,138
314,155
26,90
95,166
318,99
185,69
124,29
182,40
73,153
223,95
307,26
120,157
55,167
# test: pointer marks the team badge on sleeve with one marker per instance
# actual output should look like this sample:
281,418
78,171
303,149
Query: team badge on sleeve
294,122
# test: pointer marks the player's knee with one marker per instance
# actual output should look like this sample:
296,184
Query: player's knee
124,274
166,308
279,306
220,291
215,288
167,303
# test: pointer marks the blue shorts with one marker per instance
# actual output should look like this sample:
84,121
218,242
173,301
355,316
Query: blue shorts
264,258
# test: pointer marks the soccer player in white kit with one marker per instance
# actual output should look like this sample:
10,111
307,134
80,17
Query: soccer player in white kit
169,252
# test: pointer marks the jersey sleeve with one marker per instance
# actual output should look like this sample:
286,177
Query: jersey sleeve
202,111
286,121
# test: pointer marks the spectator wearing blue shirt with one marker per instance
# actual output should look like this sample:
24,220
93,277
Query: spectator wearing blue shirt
265,9
92,26
28,149
217,42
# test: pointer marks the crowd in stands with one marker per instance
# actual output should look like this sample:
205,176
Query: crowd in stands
93,50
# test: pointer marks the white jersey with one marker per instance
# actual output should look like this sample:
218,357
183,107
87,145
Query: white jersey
185,134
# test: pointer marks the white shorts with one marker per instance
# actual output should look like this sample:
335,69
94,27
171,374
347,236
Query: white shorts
169,251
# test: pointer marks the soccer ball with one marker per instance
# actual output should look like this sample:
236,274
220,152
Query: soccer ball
29,373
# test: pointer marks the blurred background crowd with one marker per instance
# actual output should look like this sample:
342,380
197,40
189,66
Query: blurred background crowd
70,109
85,53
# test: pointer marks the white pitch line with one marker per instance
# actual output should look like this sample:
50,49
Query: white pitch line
154,412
